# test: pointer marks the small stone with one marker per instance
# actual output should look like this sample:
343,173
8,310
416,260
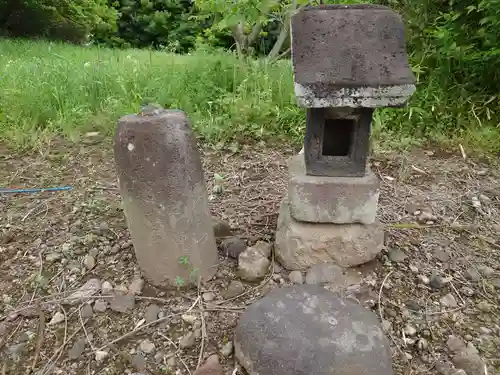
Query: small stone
103,226
87,290
77,349
437,282
210,367
234,289
456,344
222,229
442,255
100,356
187,341
94,253
485,330
208,296
471,363
139,362
53,257
136,286
233,247
264,248
458,371
57,318
115,249
122,303
106,288
443,368
486,271
100,305
296,277
468,337
397,255
465,290
413,268
188,318
151,313
89,262
472,274
449,301
171,362
252,266
484,306
424,279
325,273
121,289
387,325
146,346
410,330
87,311
227,349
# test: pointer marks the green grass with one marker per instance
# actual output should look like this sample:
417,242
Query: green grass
49,89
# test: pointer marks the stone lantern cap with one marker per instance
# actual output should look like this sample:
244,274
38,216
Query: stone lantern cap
350,56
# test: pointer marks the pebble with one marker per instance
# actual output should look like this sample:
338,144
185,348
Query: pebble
88,289
424,279
77,349
100,356
252,265
472,274
397,255
437,282
146,346
324,273
121,289
187,341
89,262
486,271
136,286
100,305
151,313
441,255
188,318
227,349
264,248
87,311
53,257
139,362
210,367
386,325
485,330
208,296
221,229
413,268
57,318
171,362
484,306
468,337
115,249
295,277
465,290
410,330
455,344
233,247
122,303
106,287
449,301
94,252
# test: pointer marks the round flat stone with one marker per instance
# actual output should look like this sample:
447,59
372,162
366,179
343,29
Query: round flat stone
305,329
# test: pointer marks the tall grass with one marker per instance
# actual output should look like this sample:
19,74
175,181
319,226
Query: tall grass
50,88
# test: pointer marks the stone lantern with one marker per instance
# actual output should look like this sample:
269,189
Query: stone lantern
347,61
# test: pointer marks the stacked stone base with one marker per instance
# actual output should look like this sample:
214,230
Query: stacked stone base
328,220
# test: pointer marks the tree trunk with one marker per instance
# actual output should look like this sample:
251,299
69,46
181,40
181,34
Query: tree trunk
284,33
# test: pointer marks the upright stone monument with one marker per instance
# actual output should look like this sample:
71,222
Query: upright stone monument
164,196
347,61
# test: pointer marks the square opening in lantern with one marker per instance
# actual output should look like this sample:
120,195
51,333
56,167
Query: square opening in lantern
337,136
337,141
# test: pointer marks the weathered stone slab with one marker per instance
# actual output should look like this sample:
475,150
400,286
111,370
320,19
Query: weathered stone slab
306,329
164,196
300,245
339,200
350,56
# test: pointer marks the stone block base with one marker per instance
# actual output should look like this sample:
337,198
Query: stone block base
300,245
339,200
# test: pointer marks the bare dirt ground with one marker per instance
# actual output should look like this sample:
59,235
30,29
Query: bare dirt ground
439,276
